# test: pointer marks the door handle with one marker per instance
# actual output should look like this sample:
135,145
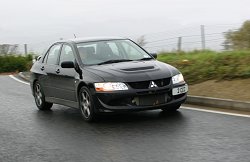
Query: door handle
42,68
58,71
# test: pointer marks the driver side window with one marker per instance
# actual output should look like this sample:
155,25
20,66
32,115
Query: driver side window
66,54
53,54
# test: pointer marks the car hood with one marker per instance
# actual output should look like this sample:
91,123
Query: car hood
133,71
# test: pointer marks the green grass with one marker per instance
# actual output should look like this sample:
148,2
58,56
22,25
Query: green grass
199,66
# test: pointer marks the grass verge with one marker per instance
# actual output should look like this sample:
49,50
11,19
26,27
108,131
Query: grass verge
200,66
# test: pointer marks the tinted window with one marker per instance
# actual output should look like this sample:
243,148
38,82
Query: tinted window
132,51
92,53
53,54
114,48
66,54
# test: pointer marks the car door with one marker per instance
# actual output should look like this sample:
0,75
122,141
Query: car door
49,67
66,77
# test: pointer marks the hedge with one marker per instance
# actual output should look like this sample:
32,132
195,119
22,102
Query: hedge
13,63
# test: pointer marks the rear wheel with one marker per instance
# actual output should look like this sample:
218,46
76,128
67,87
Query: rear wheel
172,109
86,104
40,98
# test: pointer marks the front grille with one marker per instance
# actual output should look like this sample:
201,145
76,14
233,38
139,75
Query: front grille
139,85
149,100
145,100
145,84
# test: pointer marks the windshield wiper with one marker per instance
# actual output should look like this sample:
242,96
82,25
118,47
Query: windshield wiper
146,58
114,61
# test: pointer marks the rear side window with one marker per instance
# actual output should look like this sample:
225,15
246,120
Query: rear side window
53,54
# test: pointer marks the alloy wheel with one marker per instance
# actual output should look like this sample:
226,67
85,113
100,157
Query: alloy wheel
38,95
85,104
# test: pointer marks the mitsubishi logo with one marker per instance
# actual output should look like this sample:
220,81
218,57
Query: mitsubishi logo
152,84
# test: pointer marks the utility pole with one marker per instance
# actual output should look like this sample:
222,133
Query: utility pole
25,49
203,41
179,44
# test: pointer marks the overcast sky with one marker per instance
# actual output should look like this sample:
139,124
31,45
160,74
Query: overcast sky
40,21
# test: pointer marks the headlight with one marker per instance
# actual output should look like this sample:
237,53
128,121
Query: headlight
177,79
110,86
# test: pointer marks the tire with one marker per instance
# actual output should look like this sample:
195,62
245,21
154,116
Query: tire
40,97
86,105
172,109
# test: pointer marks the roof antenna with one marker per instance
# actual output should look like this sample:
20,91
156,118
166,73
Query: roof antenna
74,35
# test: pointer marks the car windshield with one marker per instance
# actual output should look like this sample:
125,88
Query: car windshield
110,51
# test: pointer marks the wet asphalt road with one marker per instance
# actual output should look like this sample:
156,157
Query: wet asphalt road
27,134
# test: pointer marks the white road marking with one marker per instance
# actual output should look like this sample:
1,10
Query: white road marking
18,80
216,112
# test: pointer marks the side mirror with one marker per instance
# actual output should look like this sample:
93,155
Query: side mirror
67,64
38,58
154,55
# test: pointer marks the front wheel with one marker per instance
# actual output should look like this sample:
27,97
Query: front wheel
40,98
172,109
86,104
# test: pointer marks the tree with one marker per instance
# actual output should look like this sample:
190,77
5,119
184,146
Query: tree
141,41
240,39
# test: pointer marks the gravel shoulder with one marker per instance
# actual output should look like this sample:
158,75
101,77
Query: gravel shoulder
238,89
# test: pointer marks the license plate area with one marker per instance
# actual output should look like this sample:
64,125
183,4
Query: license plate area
180,90
151,100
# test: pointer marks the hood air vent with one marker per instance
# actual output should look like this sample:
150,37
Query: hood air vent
139,68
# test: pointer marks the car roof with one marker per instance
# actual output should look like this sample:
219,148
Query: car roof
92,39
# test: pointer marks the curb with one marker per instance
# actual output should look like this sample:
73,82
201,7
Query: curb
199,100
218,102
21,75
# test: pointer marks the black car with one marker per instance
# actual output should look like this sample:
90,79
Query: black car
105,75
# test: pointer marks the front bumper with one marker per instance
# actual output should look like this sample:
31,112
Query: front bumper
127,100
